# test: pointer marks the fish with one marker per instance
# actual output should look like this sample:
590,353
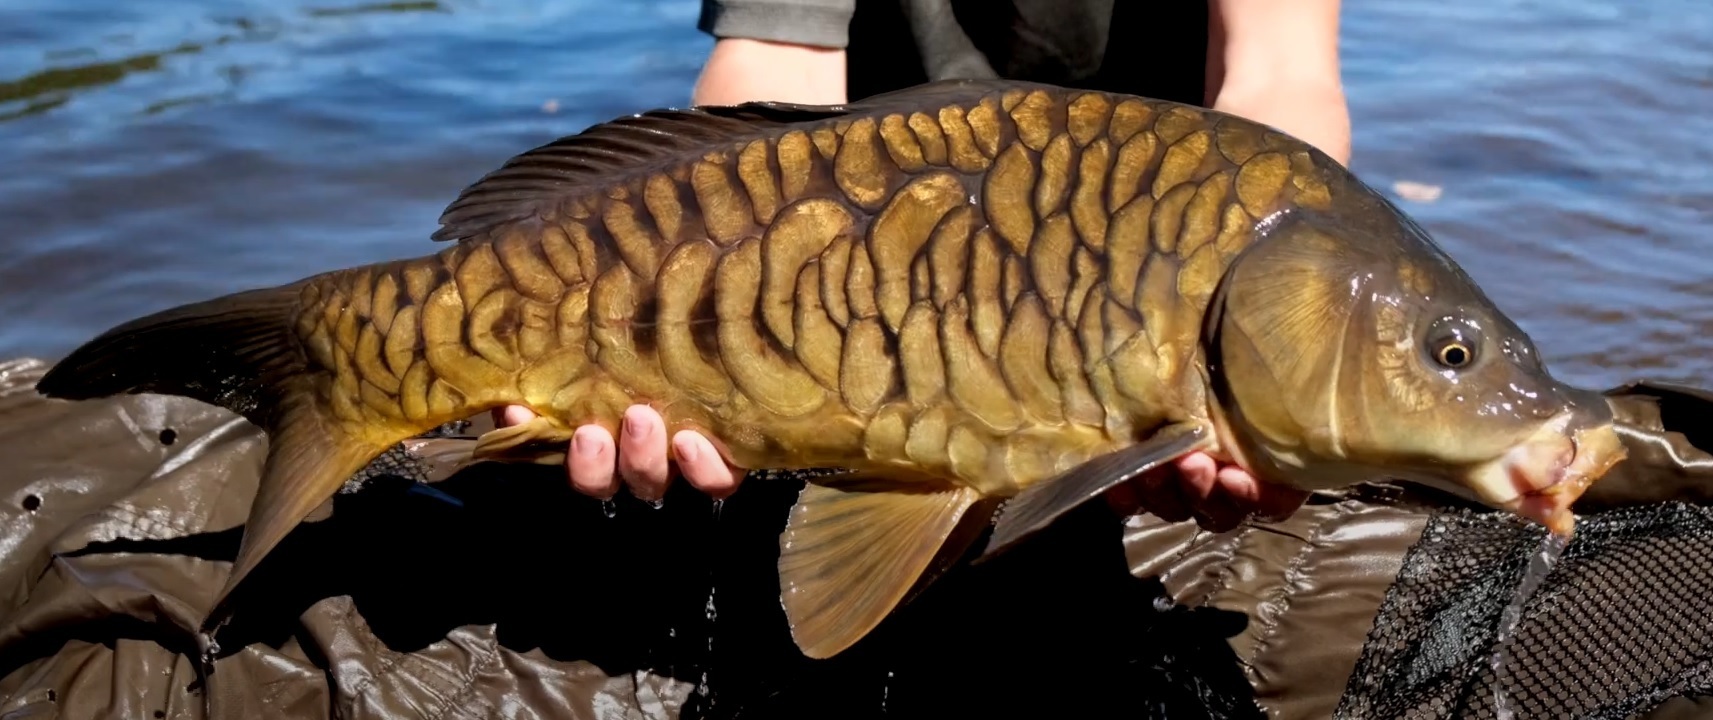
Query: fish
987,302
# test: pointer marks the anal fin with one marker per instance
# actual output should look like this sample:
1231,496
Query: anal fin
309,458
856,547
1042,503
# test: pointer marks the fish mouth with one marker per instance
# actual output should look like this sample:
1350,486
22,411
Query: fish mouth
1542,476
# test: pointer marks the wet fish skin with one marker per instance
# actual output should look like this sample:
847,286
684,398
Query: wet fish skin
923,287
963,292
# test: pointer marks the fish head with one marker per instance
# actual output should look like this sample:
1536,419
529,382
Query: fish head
1344,346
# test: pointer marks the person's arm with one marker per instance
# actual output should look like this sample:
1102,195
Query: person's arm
781,50
742,70
1278,63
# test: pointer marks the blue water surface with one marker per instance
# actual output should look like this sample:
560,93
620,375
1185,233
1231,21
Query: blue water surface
164,152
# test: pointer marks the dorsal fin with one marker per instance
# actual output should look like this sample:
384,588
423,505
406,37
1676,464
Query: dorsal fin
530,180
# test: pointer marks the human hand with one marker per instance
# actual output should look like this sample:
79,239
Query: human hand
595,464
1219,497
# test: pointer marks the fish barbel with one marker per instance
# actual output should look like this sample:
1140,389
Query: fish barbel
967,293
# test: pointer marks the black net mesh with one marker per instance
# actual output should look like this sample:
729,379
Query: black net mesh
398,462
1622,623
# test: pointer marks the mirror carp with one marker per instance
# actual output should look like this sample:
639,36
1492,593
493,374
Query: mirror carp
990,301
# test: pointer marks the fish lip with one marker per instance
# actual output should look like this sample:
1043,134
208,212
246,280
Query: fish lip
1529,484
1545,491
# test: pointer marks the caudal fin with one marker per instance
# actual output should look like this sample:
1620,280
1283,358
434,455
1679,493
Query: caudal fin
237,352
233,351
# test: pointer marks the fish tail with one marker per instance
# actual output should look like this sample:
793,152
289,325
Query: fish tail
232,351
238,352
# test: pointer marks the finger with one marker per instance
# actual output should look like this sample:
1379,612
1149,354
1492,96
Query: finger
1276,502
1201,488
590,462
1254,498
511,415
1238,486
1232,500
1198,474
1161,491
703,466
642,452
1165,498
1126,499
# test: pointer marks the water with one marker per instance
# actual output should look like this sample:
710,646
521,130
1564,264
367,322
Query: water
1540,567
1574,148
703,687
162,153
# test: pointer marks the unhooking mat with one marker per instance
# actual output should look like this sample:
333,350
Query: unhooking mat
500,592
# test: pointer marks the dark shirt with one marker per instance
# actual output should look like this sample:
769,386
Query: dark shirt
1154,49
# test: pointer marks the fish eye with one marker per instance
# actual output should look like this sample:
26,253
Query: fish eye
1454,354
1452,343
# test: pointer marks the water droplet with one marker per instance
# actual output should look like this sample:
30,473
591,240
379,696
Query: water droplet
1163,604
705,689
718,505
210,650
609,508
657,504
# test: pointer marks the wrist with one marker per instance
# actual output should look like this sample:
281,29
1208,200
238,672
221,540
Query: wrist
745,69
1313,110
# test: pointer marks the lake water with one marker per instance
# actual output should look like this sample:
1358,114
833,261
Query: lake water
164,152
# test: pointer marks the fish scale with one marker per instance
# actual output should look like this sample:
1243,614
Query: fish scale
964,293
522,313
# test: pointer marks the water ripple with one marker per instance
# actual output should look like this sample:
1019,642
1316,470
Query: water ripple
160,153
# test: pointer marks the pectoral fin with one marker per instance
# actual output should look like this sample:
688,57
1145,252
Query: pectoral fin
855,548
442,457
1039,505
537,442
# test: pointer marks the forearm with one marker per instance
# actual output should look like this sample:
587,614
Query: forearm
1277,63
1316,113
782,50
741,70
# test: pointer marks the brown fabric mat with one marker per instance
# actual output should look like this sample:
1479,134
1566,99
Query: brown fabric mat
1311,587
83,473
511,596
